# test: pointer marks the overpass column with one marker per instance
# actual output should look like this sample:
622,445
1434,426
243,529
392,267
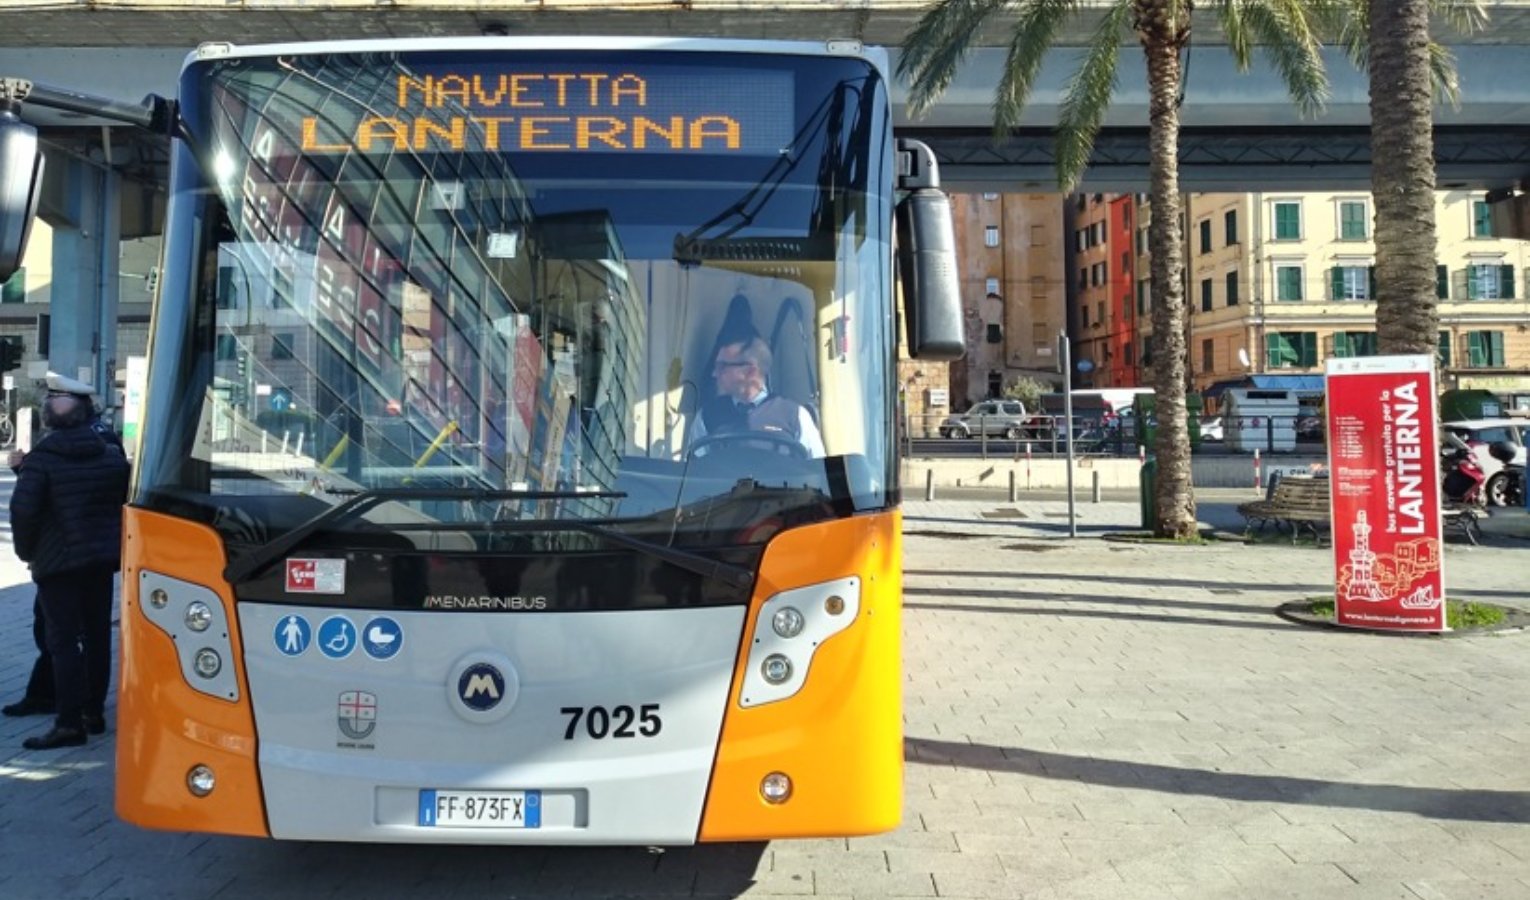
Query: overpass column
83,308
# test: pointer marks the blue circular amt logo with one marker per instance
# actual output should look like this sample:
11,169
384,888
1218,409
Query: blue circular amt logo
480,687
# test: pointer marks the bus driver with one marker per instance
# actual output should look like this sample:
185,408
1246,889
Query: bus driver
745,404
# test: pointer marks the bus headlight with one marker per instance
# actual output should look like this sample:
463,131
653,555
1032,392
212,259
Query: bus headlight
198,616
200,781
790,628
776,788
787,622
208,663
776,668
196,621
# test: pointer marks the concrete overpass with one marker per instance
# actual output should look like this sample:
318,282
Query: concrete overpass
1240,130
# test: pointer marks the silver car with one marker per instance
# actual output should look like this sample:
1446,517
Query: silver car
994,418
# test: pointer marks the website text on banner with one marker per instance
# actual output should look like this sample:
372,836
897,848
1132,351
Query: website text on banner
1385,493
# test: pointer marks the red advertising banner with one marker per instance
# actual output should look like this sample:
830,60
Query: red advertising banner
1383,459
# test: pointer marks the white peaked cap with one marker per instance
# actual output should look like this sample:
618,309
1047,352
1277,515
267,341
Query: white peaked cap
63,384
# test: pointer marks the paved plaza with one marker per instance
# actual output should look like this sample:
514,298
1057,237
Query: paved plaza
1085,719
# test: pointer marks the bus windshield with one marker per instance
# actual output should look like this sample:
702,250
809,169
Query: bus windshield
499,289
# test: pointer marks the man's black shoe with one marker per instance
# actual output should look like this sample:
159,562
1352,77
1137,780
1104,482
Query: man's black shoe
95,724
28,706
55,738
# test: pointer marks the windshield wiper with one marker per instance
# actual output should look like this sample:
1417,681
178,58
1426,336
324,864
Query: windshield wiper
247,565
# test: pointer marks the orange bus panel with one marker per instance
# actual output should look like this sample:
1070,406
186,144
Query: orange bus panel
164,726
839,739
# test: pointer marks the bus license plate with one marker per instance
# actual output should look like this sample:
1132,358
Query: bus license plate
480,809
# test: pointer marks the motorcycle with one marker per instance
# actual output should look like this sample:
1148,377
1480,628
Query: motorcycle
1462,477
1507,487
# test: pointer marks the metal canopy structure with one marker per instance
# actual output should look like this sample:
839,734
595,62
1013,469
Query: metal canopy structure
1216,159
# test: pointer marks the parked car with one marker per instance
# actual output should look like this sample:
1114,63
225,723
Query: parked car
1480,434
995,418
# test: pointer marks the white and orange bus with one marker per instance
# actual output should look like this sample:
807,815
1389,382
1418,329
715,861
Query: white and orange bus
422,543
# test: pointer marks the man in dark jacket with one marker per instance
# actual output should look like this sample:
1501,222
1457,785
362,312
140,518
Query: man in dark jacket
66,521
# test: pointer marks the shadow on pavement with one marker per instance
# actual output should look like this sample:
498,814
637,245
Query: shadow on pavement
1463,804
1113,579
1111,600
1275,625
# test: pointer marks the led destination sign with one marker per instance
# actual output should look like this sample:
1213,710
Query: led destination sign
580,109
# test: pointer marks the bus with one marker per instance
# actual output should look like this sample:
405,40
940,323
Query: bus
422,544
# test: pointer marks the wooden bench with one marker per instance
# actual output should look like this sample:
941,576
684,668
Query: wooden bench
1299,502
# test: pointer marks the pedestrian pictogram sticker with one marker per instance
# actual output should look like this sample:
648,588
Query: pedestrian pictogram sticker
292,635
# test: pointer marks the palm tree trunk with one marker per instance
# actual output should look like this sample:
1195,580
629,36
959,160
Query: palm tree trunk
1402,176
1163,27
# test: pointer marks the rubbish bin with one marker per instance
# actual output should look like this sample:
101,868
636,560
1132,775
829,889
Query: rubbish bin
1147,487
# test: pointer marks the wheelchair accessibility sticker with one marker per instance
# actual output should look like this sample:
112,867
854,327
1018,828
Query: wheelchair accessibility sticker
337,637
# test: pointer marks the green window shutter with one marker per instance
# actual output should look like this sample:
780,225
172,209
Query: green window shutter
1442,285
1340,344
1367,344
1495,348
1272,350
1443,350
1482,219
1476,350
1309,356
1336,275
1472,287
1287,222
1506,282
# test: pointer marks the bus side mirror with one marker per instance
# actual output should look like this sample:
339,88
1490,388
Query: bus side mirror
21,170
932,300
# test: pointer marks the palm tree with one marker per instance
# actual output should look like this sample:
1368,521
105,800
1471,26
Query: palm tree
1407,71
1285,28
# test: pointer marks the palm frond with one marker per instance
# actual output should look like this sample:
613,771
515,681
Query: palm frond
1239,41
1087,96
1463,16
1037,26
934,50
1285,29
1443,77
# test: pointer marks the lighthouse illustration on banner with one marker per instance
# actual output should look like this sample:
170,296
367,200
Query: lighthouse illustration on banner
1362,566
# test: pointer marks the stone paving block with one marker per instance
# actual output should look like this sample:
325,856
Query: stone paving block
884,884
967,861
1469,890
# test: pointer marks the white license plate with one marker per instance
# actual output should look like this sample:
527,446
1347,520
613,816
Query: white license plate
480,809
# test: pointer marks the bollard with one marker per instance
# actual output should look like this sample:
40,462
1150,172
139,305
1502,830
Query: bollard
1027,465
1095,489
1257,479
929,484
1014,489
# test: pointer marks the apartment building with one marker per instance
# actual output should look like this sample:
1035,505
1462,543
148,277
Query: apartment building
1009,250
1278,282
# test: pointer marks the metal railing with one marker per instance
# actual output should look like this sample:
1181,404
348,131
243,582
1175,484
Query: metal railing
1044,435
